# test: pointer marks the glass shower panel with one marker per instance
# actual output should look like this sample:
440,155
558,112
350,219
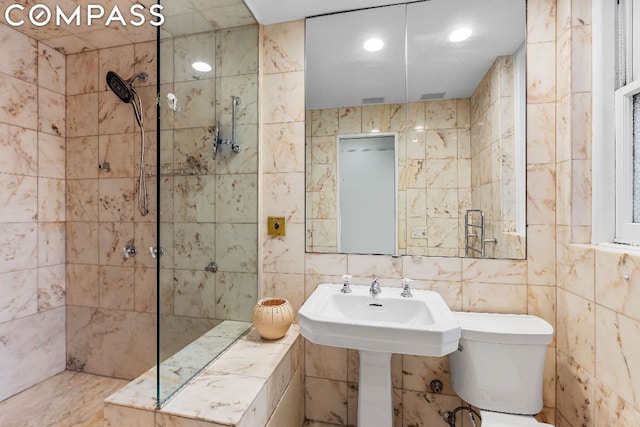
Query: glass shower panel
207,191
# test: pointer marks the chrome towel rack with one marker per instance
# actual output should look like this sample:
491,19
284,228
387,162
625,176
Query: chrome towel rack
474,233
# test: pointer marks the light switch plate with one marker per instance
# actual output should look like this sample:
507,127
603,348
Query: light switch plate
276,226
418,232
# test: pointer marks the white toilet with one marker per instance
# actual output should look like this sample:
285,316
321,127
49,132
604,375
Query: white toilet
499,366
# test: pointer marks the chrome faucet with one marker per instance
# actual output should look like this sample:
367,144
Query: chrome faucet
375,288
406,290
345,287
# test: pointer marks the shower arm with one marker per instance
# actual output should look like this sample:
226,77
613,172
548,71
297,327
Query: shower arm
217,140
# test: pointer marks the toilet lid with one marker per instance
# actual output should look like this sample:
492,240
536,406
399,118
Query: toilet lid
497,419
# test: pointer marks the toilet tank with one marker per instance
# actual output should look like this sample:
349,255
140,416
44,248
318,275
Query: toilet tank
499,365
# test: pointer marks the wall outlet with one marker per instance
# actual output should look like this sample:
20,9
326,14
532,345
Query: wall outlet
418,232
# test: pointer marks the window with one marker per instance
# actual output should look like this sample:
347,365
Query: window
627,114
616,117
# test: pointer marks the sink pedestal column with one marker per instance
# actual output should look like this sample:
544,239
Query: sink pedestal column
375,407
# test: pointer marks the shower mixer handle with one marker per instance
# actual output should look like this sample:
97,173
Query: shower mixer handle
129,251
155,252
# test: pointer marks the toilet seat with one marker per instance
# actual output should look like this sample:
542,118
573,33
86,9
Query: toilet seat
498,419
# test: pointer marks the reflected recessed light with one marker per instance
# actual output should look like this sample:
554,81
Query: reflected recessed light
203,67
460,34
419,127
373,45
375,130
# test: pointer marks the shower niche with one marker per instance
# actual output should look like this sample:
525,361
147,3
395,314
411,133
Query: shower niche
205,171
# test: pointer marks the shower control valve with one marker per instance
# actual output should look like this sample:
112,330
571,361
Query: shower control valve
129,251
212,267
155,252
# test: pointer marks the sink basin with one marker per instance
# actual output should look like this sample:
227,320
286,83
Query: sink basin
421,325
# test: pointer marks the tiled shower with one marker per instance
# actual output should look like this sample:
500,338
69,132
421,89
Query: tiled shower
74,154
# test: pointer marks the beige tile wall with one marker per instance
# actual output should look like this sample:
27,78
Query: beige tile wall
520,286
209,207
598,362
32,212
596,375
110,298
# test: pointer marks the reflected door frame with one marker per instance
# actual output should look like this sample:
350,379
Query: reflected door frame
348,137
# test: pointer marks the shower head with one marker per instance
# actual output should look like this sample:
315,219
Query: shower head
123,88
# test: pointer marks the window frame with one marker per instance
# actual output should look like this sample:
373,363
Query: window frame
612,156
626,230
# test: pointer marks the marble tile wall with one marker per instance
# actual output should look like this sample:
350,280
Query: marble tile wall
214,213
32,212
110,298
520,286
245,393
433,197
598,363
208,207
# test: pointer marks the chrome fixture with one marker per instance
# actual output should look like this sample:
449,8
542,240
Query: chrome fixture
375,288
233,142
155,252
475,233
212,267
436,386
235,101
406,291
345,287
127,93
105,166
172,102
129,250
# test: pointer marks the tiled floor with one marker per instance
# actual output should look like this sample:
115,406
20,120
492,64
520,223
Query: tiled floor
65,400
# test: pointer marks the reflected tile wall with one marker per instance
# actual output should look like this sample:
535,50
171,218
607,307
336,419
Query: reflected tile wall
32,212
493,156
442,143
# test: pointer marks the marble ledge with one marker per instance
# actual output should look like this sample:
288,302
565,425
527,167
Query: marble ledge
242,387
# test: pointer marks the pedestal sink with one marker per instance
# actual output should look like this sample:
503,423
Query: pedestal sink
378,326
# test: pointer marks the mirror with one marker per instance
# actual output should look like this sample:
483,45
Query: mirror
457,110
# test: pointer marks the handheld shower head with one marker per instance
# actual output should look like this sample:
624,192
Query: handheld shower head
123,88
127,93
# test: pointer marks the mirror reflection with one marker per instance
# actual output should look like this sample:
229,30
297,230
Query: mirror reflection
447,79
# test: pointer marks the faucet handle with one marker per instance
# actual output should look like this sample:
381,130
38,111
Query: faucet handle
375,288
406,290
345,287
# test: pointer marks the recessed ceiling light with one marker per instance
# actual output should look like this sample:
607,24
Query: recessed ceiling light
373,45
203,67
460,34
